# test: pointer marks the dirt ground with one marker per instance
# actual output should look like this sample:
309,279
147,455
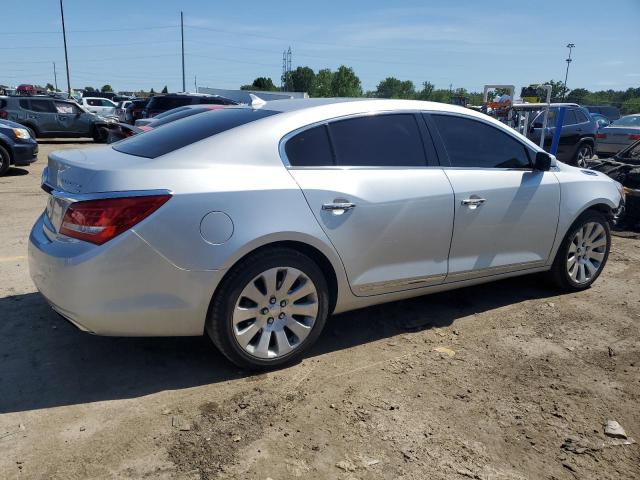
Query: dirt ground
502,381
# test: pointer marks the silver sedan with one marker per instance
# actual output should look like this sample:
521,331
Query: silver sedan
618,135
256,223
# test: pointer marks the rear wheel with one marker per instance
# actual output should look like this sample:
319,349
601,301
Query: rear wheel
583,155
269,309
5,160
100,135
583,253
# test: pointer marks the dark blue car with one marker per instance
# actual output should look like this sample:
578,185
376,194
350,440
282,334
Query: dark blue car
17,146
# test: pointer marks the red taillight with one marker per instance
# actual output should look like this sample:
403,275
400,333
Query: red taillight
3,114
634,136
98,221
601,135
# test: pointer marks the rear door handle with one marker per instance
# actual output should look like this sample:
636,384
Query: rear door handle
473,202
338,208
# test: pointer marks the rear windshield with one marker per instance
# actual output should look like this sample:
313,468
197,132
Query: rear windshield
187,112
187,131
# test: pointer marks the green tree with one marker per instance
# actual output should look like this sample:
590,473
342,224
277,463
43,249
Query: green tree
302,79
427,91
106,88
631,106
50,87
578,95
322,84
391,87
558,90
165,89
89,89
152,91
345,83
264,84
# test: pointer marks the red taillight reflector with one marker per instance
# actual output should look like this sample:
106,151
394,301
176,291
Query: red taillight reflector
601,135
634,136
98,221
3,114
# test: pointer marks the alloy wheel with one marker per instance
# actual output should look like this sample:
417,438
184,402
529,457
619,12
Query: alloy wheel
584,154
275,312
587,252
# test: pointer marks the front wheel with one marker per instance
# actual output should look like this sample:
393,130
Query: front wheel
269,309
5,160
583,155
583,253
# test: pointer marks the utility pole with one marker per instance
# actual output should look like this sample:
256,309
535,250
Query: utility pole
184,87
66,58
55,76
195,83
570,46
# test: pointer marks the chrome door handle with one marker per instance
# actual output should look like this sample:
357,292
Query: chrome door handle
473,202
338,208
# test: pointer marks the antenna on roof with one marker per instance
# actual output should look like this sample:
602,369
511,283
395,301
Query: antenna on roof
256,101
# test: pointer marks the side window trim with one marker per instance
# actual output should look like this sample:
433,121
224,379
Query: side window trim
438,143
442,148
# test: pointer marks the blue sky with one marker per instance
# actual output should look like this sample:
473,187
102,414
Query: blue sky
467,43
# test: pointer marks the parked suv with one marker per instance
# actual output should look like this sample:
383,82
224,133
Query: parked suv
17,146
101,106
49,117
578,135
134,110
162,103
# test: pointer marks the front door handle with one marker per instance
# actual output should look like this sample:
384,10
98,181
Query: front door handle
338,208
473,202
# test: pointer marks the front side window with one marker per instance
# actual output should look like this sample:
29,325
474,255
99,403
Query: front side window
64,107
382,140
474,144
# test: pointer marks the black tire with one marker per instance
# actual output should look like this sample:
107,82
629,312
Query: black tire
100,135
559,273
219,320
5,160
583,154
32,132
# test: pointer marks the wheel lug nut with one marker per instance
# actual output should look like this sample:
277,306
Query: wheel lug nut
264,311
270,320
272,300
283,303
281,316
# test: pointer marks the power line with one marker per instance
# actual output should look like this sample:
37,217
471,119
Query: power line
58,32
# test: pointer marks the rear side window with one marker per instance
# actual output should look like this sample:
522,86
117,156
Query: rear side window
581,117
310,148
190,130
378,141
45,106
3,103
570,117
167,103
474,144
94,102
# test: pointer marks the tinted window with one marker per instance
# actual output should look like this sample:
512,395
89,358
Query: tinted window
187,112
474,144
569,117
170,112
24,103
217,101
310,148
42,106
3,103
94,102
167,103
378,141
193,129
581,117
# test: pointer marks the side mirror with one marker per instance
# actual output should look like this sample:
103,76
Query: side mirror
543,162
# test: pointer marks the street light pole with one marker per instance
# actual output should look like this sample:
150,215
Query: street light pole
55,76
66,58
184,86
570,46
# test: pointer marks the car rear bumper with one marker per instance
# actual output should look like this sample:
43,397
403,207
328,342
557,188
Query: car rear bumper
122,288
610,148
25,153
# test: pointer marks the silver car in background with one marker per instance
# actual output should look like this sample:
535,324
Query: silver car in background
618,135
255,224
